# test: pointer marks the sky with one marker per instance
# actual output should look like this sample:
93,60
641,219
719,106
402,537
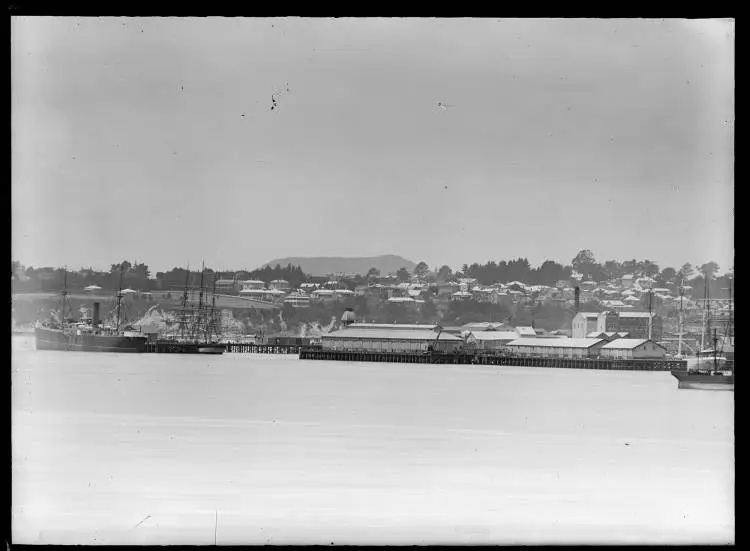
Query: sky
153,139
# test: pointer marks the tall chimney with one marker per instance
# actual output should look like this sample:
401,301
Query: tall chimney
577,299
95,315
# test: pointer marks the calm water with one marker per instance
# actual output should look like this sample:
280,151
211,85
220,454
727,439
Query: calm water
123,449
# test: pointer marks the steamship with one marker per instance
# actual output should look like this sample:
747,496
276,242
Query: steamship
87,334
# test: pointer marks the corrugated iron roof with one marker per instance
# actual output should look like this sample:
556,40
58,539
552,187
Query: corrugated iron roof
392,334
556,343
627,344
400,326
636,314
495,335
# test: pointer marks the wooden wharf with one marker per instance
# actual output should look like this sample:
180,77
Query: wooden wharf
314,353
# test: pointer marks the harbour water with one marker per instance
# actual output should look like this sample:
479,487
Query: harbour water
161,448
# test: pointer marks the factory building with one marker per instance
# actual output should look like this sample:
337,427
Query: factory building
635,323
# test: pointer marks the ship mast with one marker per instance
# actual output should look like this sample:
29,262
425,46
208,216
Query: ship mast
119,300
715,359
679,335
212,327
706,313
199,314
183,315
650,315
64,297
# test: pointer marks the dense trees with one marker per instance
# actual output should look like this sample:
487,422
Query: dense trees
444,273
421,269
403,274
518,270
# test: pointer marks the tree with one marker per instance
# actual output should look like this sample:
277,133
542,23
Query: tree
123,266
373,273
403,274
444,273
667,275
421,269
650,269
709,269
612,269
583,258
686,272
585,263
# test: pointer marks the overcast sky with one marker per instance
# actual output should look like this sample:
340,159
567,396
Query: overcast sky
154,140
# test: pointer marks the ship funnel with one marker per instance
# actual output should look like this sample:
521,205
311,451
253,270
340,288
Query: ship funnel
577,299
95,315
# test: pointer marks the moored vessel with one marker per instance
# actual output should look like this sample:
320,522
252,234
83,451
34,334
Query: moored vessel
87,334
709,370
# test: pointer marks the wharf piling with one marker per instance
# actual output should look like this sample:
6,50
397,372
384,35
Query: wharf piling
253,348
314,353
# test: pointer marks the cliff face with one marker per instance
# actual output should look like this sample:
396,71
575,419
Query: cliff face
322,265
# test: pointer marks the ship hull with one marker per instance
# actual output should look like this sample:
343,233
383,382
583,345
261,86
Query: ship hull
703,381
55,339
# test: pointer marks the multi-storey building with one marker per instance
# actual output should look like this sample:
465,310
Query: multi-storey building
584,323
637,324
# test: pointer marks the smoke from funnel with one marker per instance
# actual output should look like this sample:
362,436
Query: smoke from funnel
95,315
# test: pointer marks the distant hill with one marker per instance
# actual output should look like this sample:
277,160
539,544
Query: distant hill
324,265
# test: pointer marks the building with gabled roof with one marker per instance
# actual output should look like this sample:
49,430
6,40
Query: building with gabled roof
562,348
633,349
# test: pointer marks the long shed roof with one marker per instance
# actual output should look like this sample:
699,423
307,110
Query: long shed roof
389,334
556,343
627,344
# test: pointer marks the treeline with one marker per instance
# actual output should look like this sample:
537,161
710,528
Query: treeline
137,276
588,268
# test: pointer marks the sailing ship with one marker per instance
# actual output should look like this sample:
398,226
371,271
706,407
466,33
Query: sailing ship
88,334
710,369
197,324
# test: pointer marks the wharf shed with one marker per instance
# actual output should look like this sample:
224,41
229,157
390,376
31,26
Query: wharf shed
391,338
633,349
491,340
556,348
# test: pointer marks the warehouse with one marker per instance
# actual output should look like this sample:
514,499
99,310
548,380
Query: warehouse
555,348
391,338
633,349
491,340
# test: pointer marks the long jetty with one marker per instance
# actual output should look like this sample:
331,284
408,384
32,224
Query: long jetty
313,353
